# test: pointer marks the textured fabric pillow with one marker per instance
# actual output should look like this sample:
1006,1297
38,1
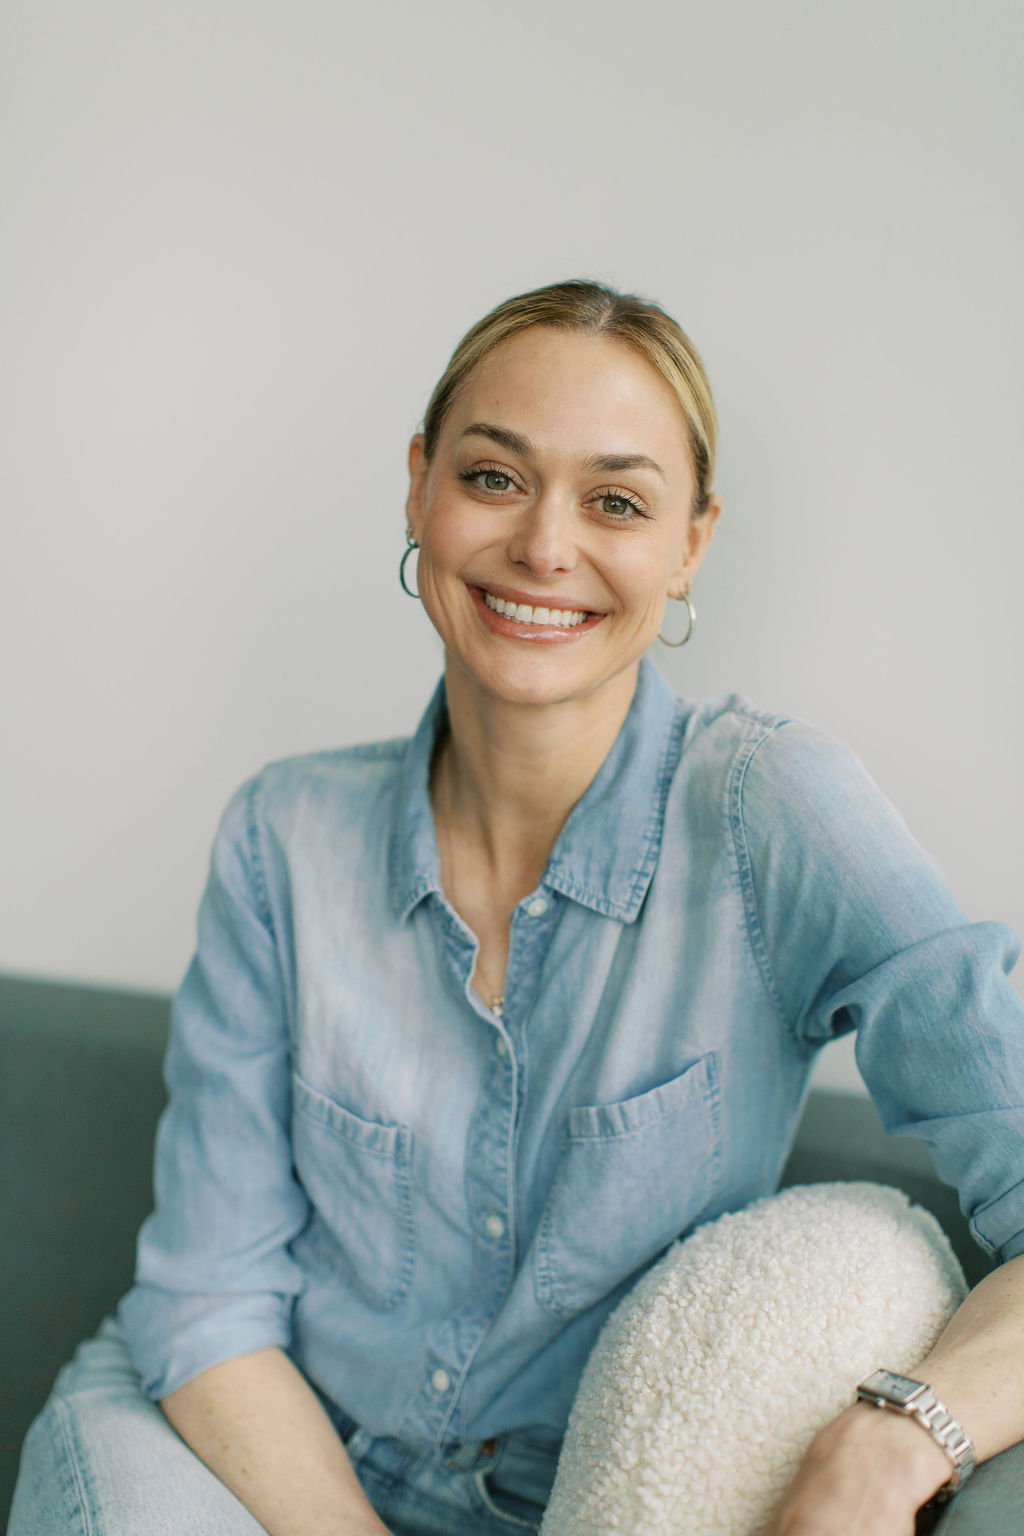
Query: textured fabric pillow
710,1378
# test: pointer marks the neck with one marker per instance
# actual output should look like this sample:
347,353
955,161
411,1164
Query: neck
507,775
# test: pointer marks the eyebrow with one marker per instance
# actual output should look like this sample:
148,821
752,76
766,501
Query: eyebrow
515,442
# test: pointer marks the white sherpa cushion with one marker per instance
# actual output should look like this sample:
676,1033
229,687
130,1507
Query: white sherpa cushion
710,1378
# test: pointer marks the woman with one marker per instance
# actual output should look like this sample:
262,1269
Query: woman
479,1022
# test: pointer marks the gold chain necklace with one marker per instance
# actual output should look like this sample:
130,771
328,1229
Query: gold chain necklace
497,1002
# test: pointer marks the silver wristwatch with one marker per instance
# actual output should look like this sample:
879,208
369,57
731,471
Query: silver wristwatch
884,1389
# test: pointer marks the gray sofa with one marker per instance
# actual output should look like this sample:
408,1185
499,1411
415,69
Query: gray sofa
80,1092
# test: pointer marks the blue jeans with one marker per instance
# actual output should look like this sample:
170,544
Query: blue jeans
101,1460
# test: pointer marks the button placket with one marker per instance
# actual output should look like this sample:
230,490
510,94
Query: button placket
490,1157
488,1154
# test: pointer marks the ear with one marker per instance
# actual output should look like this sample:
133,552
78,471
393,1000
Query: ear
416,501
699,533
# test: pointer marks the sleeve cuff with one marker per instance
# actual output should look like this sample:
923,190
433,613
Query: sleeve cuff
999,1226
175,1338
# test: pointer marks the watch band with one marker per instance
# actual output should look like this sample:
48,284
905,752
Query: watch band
901,1394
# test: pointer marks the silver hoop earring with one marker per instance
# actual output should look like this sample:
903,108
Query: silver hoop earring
410,544
691,619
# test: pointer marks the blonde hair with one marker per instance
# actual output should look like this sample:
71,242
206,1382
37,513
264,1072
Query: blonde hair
594,310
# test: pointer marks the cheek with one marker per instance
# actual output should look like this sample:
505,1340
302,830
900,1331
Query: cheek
643,575
447,531
449,545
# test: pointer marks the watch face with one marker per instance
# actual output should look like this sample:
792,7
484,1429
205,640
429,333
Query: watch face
895,1389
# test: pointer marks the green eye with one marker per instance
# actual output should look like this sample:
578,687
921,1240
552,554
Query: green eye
494,481
617,506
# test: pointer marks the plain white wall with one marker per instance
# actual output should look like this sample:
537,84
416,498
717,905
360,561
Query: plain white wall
239,241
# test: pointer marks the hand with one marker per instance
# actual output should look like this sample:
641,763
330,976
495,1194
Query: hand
865,1474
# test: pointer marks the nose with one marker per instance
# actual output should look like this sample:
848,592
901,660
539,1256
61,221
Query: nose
543,538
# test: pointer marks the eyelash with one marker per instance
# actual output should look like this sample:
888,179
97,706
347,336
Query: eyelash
611,492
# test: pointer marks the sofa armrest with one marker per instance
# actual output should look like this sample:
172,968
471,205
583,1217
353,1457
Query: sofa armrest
80,1094
841,1137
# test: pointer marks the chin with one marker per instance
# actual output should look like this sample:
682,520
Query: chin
536,681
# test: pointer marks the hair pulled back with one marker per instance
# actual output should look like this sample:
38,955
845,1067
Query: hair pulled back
594,310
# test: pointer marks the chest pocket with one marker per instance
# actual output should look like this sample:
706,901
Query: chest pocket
631,1178
357,1174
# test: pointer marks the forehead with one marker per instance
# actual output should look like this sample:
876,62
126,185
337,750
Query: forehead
576,394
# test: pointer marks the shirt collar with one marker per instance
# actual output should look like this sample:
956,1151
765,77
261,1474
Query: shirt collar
607,850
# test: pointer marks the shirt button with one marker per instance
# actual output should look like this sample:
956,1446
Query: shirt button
440,1381
495,1226
537,907
501,1045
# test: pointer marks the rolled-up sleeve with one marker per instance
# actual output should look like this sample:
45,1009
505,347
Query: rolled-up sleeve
214,1276
856,928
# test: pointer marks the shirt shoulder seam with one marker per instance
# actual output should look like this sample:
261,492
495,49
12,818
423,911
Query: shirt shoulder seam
769,726
257,863
392,750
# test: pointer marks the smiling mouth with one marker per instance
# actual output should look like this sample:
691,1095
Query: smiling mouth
524,613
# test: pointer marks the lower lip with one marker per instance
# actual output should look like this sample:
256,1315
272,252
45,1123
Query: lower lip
538,634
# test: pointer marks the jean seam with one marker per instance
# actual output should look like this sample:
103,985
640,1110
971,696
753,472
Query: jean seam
66,1440
480,1478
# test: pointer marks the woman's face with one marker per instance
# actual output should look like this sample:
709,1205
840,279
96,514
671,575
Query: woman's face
562,484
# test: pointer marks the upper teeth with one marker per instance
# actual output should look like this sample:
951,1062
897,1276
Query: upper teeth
523,613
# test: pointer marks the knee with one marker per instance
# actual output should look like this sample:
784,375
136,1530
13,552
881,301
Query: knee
44,1500
97,1396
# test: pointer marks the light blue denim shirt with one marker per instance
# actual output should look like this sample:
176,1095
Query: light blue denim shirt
434,1208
